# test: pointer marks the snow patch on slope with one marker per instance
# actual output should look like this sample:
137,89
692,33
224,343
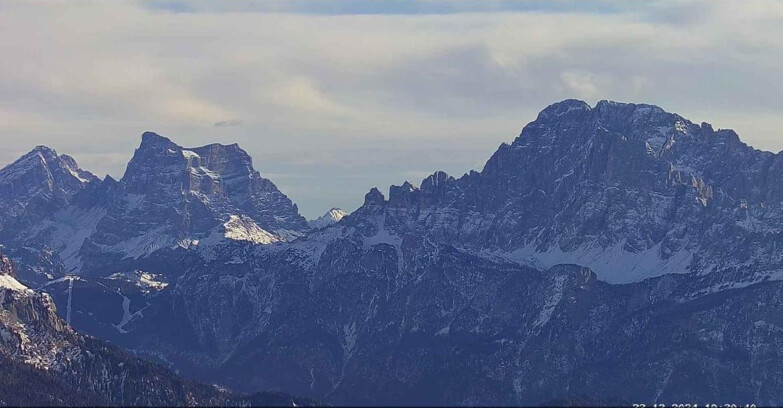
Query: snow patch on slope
190,154
551,303
145,281
68,229
146,244
237,228
331,217
382,235
127,316
612,265
10,283
241,228
311,249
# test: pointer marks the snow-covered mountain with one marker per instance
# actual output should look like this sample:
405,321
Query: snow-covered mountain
332,216
60,220
172,195
38,182
175,197
41,216
628,190
614,253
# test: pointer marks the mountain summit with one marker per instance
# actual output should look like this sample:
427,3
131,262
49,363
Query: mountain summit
37,184
65,220
629,190
332,216
174,196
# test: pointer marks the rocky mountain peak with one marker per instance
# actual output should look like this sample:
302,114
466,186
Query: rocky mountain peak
573,122
332,216
43,165
569,108
374,198
36,185
173,196
403,196
151,139
622,187
434,180
157,161
62,219
160,163
44,151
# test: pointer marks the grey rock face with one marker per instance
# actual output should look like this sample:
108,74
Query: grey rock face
5,266
629,190
359,315
62,220
36,185
39,193
36,344
171,196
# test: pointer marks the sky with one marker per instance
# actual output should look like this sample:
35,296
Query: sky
334,97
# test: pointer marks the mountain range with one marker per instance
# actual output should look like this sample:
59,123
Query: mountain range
615,253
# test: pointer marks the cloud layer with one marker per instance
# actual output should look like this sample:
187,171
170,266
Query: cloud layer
334,97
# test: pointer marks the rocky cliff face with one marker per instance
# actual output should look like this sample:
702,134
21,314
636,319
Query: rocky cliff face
36,184
37,345
41,221
62,220
6,268
172,197
630,190
360,315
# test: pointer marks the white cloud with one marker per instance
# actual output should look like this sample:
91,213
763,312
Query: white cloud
300,94
580,83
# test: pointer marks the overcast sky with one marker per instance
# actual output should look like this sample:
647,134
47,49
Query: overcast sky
333,97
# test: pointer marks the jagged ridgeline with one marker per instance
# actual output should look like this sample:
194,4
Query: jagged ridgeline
615,253
63,220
